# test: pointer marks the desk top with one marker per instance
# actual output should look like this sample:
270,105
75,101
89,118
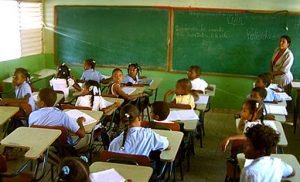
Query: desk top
174,138
37,140
113,100
7,112
155,84
202,102
189,125
296,85
94,114
281,103
288,158
133,172
45,73
212,92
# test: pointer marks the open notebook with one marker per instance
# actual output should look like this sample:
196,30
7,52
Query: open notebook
182,115
110,175
75,114
128,90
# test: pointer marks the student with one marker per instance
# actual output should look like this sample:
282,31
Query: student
91,74
47,115
260,142
136,139
133,74
160,110
23,90
198,85
264,80
258,93
63,81
90,97
184,98
116,87
73,169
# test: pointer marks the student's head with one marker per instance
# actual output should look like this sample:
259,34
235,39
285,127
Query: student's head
73,169
258,93
284,42
21,75
129,116
89,64
159,110
63,71
194,72
183,87
133,69
91,87
117,75
263,80
252,110
46,98
261,140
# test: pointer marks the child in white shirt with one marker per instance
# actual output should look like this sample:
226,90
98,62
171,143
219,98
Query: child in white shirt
198,85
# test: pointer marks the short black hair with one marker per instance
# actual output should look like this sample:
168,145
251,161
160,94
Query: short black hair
91,62
197,69
261,91
161,109
263,138
266,78
48,96
287,38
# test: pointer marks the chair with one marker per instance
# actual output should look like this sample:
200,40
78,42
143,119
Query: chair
16,176
107,156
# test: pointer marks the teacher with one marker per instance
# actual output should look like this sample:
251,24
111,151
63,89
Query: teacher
282,61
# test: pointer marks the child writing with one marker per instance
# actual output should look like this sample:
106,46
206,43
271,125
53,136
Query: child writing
91,74
63,81
136,139
47,115
90,97
116,87
184,98
198,85
260,142
73,169
160,111
23,90
264,80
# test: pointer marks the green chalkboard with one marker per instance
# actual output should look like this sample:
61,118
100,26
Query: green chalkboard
232,42
112,35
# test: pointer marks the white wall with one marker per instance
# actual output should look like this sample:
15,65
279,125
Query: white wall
271,5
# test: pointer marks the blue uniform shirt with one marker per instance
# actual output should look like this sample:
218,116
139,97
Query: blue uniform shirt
128,79
272,96
91,74
22,90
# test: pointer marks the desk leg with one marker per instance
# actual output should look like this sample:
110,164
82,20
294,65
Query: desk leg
296,108
155,95
45,159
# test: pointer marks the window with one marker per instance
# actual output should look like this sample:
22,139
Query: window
21,29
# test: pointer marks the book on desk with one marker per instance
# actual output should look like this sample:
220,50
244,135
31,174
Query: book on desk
146,82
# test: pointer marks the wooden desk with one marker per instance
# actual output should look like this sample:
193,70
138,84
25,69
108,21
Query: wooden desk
202,102
113,100
288,158
44,73
189,125
7,112
174,138
154,86
296,86
94,114
135,173
37,140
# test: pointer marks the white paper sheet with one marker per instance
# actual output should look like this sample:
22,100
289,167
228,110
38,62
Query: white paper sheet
203,99
182,115
128,90
274,109
107,103
110,175
75,114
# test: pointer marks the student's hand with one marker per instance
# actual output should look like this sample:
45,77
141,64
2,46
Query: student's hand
225,144
80,120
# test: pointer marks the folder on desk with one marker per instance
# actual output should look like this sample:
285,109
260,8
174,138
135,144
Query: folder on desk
147,82
75,114
182,115
110,175
275,109
128,90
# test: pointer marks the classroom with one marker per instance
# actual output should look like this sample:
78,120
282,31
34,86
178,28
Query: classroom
231,41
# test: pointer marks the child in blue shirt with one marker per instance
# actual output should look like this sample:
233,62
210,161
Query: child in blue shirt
264,80
133,75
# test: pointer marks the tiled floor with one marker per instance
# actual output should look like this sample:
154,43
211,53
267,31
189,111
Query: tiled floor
208,164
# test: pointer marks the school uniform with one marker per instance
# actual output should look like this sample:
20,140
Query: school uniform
199,84
22,90
266,168
185,99
139,141
51,116
61,84
272,96
92,74
85,101
129,79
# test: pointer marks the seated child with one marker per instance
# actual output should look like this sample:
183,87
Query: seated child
133,75
184,98
23,90
74,169
136,139
264,80
63,81
91,74
160,111
260,142
198,85
47,115
90,97
116,87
